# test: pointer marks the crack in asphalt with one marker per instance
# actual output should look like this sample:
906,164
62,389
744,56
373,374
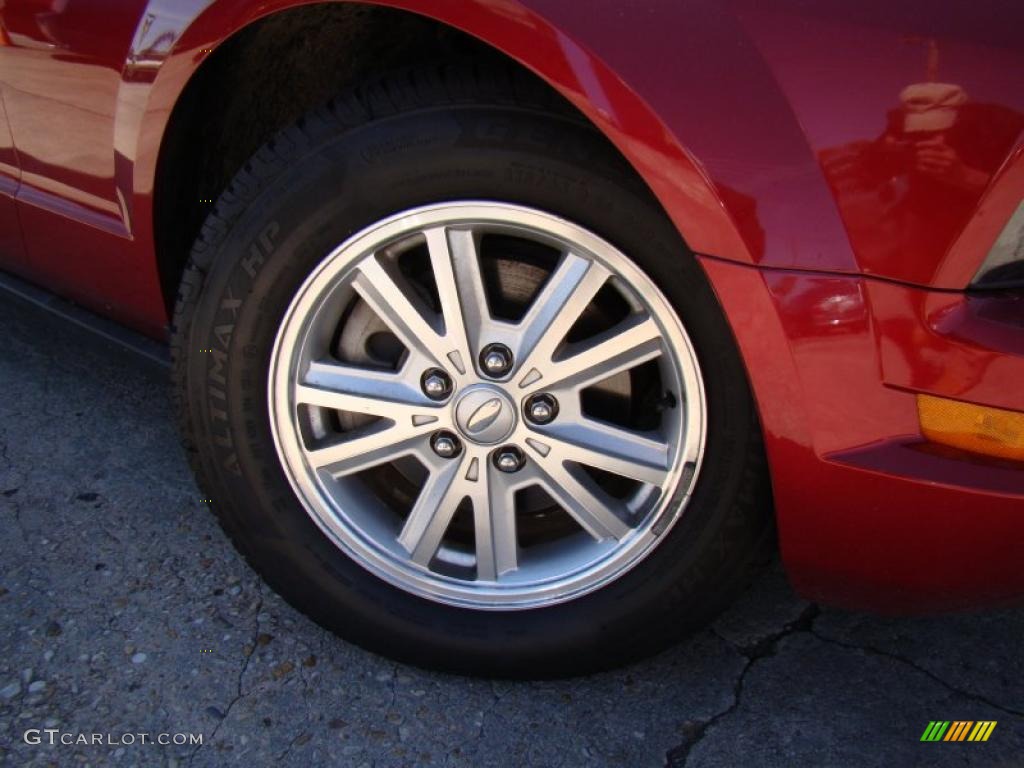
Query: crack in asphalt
3,449
16,516
239,693
869,649
495,700
9,493
303,731
678,756
288,749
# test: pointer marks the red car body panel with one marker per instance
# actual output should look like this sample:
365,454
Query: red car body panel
869,514
837,223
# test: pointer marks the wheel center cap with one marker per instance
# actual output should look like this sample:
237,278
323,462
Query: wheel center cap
485,414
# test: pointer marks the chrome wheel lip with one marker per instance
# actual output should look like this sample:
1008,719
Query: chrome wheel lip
365,546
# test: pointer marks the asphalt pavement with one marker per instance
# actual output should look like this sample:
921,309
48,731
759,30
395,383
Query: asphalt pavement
125,612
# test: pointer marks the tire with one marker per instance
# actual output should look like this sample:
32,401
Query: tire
433,138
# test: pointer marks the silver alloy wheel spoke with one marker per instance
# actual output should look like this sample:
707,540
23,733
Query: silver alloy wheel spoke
495,522
363,390
460,288
563,299
598,513
404,317
408,415
612,449
338,425
433,511
634,341
356,454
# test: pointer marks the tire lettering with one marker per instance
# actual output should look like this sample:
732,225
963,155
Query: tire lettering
260,249
219,428
216,375
223,334
217,369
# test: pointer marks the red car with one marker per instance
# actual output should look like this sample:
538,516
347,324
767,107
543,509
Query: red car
508,335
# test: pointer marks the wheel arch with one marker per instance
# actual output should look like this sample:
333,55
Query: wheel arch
219,32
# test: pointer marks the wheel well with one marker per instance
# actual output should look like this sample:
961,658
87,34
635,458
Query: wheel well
265,77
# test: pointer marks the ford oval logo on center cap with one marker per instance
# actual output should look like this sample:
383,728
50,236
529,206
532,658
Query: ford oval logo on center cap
484,416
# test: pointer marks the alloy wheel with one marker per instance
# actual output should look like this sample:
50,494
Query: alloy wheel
487,405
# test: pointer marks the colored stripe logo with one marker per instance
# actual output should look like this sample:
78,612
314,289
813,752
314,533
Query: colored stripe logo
958,730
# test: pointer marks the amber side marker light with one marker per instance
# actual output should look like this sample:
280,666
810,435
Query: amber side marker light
975,428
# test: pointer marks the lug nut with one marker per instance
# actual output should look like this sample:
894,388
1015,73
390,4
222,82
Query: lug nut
446,445
496,360
508,458
436,384
541,409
